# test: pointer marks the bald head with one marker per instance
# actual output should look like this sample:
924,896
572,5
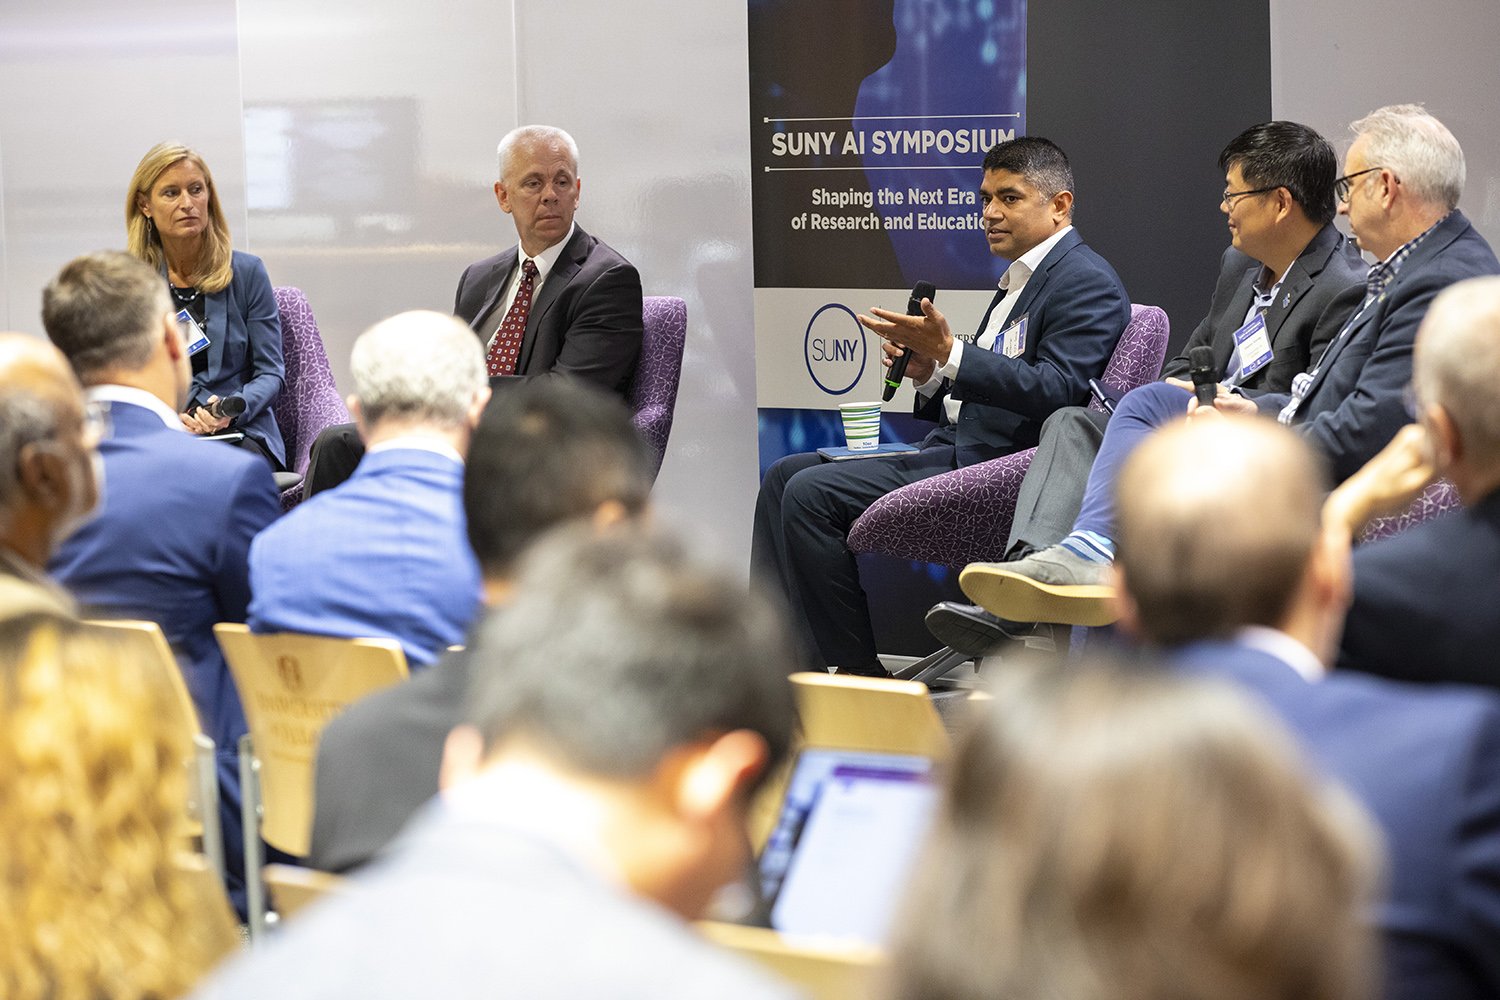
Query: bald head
46,475
1218,519
1457,367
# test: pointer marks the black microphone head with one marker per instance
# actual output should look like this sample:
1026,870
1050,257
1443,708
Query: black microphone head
1201,362
921,290
229,406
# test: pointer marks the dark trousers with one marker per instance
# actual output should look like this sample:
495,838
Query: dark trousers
802,519
1052,491
333,458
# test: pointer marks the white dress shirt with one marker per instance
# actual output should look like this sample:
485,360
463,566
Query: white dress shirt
544,262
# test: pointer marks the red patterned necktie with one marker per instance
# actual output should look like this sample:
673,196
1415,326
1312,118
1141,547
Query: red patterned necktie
505,347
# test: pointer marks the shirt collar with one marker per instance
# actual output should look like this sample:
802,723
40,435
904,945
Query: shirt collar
547,259
1283,647
136,397
1024,266
417,442
1383,273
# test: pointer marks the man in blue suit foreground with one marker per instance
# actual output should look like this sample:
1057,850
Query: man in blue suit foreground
386,554
1052,326
173,530
1402,180
1425,600
595,800
1225,562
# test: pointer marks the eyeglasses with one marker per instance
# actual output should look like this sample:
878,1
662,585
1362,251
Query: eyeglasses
1344,186
1230,197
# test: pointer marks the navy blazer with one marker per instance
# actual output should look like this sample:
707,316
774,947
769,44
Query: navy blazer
1076,309
1425,761
169,544
1427,601
1355,404
1316,296
244,352
585,321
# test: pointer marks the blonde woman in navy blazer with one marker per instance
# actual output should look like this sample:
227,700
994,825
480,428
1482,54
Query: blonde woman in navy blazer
174,222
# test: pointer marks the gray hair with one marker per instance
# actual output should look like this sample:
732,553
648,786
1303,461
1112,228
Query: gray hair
1407,140
532,134
620,648
104,311
25,418
418,365
1457,362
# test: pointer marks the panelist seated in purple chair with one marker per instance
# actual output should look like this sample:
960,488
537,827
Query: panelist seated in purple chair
1402,181
1052,326
561,302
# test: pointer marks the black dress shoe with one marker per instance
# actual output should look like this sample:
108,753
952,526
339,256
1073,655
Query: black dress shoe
970,629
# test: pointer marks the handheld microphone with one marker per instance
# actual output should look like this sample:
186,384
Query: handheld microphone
921,290
229,406
1205,378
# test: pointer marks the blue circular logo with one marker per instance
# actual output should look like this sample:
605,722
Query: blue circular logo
835,349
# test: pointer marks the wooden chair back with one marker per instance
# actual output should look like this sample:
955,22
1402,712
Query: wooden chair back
823,971
293,889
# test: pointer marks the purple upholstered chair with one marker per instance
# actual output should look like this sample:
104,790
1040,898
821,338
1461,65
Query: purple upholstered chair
653,391
965,515
1435,500
309,401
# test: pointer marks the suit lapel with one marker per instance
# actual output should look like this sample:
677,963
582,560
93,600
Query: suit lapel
1234,313
568,264
485,321
1038,279
1299,280
216,312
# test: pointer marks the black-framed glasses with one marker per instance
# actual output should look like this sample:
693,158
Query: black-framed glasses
1344,186
1230,197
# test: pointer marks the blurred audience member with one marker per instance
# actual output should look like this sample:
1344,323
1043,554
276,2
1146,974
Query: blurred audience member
48,482
1225,562
93,805
174,222
1113,833
599,796
544,454
386,554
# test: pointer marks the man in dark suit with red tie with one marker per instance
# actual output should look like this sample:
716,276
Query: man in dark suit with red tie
560,302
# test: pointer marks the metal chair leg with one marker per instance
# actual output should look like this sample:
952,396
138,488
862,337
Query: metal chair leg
250,811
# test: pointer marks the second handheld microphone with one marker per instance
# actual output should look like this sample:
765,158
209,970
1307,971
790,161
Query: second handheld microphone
921,290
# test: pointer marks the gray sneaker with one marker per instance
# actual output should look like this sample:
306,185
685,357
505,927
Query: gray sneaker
1052,585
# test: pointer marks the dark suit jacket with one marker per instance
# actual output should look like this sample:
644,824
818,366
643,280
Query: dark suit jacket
1427,601
1426,763
1355,404
169,544
585,320
1076,308
244,351
377,763
1313,302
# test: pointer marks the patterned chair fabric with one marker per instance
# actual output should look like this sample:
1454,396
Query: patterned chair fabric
309,401
653,391
965,515
1435,500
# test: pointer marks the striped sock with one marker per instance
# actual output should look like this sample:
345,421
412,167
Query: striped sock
1090,546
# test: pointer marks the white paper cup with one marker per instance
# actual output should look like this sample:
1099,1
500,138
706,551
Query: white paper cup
861,425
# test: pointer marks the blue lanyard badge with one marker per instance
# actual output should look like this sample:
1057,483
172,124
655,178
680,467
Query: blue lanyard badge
1011,341
196,339
1252,348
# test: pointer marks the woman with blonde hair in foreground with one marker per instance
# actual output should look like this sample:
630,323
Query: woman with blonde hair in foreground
1114,834
93,802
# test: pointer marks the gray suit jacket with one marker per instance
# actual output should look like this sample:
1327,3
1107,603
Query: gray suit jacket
469,907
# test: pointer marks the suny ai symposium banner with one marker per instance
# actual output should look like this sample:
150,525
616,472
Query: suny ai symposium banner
868,120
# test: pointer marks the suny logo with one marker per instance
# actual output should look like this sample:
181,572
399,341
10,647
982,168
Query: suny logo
835,349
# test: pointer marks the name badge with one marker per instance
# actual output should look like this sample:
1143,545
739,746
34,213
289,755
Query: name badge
1012,340
196,339
1254,347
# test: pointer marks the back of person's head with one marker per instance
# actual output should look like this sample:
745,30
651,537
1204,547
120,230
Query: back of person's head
1407,140
1114,832
1217,521
1041,161
1287,154
1457,367
620,648
40,406
418,367
104,312
547,452
93,805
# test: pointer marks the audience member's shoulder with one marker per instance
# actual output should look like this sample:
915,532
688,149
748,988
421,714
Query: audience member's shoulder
1429,714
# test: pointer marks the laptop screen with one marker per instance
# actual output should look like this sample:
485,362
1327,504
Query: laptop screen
850,827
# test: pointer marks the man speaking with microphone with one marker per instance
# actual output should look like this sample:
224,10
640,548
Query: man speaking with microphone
1052,326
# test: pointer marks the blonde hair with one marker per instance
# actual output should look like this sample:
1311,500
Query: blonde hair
141,237
1124,834
93,792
